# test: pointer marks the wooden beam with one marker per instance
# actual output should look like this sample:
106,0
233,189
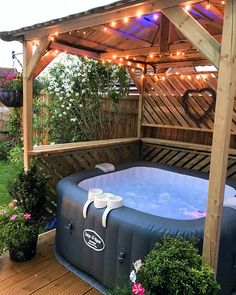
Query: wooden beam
164,33
79,146
73,50
149,50
134,77
44,62
101,17
184,63
226,91
195,33
38,54
122,35
27,104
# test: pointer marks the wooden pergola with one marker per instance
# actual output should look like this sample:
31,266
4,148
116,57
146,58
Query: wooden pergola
165,40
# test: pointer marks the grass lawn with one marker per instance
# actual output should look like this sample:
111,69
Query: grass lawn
7,173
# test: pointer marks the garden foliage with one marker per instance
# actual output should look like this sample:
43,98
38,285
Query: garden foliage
78,90
173,267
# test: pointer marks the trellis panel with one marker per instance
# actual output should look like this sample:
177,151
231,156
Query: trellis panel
188,158
163,101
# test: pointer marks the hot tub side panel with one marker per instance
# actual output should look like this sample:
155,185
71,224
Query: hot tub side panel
130,235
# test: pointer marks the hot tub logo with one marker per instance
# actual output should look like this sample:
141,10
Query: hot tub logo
93,240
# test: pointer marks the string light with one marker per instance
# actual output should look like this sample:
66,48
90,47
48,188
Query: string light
208,6
223,2
127,57
113,24
105,29
114,56
84,32
70,33
151,55
56,34
52,38
121,59
129,63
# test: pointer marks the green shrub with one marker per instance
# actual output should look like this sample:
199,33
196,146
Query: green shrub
16,155
174,267
4,150
29,190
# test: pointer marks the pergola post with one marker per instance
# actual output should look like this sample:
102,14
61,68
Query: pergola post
226,91
27,104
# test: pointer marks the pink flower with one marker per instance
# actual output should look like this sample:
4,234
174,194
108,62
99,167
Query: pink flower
27,216
13,217
11,205
138,289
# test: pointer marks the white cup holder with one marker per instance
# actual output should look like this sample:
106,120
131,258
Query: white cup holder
92,193
113,202
100,201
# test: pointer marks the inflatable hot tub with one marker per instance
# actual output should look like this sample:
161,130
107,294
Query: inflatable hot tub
159,201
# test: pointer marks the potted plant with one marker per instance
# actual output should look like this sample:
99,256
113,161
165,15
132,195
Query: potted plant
11,93
20,221
172,267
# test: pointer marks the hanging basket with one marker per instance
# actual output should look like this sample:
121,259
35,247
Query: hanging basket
11,98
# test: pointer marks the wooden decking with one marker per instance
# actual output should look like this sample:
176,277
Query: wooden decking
42,275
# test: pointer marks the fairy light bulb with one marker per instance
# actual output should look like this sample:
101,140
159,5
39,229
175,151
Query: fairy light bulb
105,29
121,59
151,55
139,13
103,62
189,77
223,2
125,20
187,7
129,63
155,16
113,24
84,32
52,38
56,34
133,70
208,6
127,57
114,56
163,78
70,33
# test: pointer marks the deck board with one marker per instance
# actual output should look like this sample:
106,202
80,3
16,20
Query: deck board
42,275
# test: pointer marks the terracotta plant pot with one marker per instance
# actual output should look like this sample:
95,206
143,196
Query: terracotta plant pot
11,98
24,252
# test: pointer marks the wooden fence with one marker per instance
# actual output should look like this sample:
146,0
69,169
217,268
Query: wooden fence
122,117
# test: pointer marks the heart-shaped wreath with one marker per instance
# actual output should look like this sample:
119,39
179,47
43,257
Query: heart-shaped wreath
198,118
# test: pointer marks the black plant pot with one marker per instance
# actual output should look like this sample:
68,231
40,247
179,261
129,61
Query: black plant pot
11,98
24,252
